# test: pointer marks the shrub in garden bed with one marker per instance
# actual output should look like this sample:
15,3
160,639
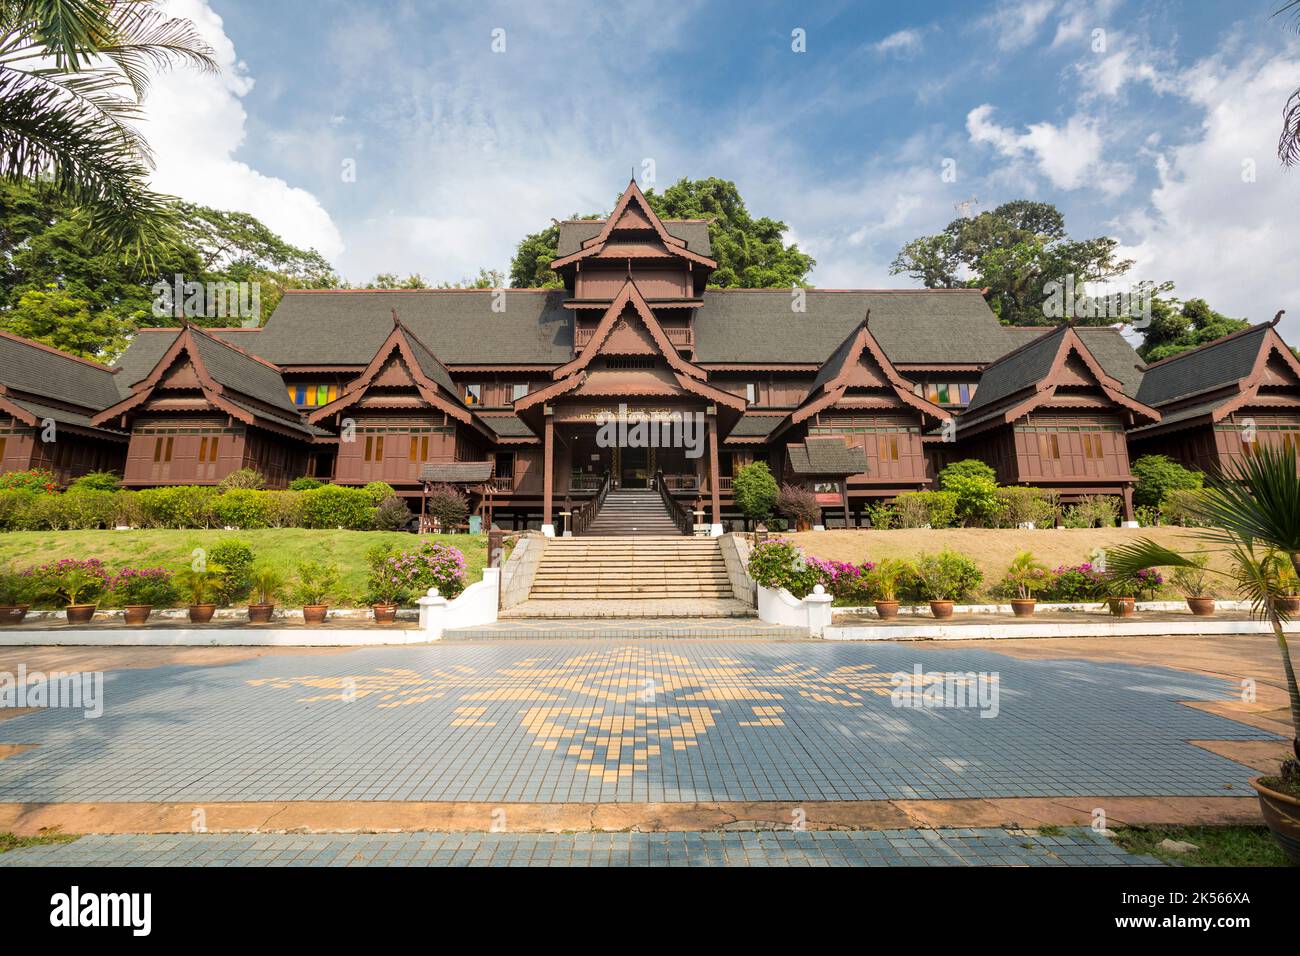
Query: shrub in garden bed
335,506
925,509
446,505
799,503
946,576
778,563
1076,584
135,586
848,583
431,565
36,480
68,582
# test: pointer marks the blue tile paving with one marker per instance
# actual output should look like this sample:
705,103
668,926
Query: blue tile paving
976,847
617,721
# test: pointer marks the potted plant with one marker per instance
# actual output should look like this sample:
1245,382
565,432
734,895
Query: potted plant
316,583
883,580
385,585
1120,598
1249,510
944,578
267,583
1024,576
75,583
1288,598
1193,583
200,585
15,590
140,590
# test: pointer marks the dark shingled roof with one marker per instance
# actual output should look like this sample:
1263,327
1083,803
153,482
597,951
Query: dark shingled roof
827,455
1016,371
457,472
508,426
1210,367
1107,345
912,326
243,373
459,326
433,368
62,416
574,233
27,367
755,426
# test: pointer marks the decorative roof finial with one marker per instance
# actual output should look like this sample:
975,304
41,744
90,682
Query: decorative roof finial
396,321
1278,318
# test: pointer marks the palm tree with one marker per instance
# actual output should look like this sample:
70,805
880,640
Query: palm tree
1253,509
1288,146
73,74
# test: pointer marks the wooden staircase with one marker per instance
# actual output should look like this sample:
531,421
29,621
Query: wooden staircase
631,568
631,511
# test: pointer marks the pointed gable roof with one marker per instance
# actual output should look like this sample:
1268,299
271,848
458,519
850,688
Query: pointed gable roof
1030,376
243,386
428,376
1220,377
633,213
38,382
860,362
614,334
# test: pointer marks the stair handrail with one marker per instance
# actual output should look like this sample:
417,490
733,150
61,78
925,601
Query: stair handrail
586,513
684,519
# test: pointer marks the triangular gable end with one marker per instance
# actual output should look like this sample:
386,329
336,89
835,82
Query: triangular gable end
629,327
396,364
1073,366
633,212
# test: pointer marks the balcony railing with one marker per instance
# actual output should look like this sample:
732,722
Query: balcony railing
585,482
678,483
681,337
502,483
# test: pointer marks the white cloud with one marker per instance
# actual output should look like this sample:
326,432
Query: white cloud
1070,156
903,43
1230,241
195,124
1016,25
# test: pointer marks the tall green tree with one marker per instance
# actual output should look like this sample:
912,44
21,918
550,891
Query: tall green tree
1019,251
73,74
52,261
751,253
1180,326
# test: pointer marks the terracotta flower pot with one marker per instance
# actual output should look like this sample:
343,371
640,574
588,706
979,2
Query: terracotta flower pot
80,613
1281,811
384,613
137,614
260,613
1023,607
313,615
1201,606
941,609
1289,605
1122,606
202,613
887,610
13,613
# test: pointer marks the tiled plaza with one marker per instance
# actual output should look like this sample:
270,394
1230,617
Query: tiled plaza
617,721
971,847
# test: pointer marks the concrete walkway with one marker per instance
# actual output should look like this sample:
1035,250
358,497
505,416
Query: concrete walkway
968,847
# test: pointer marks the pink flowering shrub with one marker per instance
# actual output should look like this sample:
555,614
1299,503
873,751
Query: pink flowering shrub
843,580
141,586
69,581
409,574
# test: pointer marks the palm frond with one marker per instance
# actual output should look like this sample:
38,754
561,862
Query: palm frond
1288,144
144,39
1256,499
1126,560
46,137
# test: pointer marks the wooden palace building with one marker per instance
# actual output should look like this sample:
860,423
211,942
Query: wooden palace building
634,375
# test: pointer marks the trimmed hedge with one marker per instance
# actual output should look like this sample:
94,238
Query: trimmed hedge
191,507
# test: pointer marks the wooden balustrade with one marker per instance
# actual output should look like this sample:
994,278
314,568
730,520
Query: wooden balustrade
680,514
681,337
584,514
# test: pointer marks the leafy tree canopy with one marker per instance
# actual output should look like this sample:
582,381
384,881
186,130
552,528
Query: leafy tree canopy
750,252
1016,251
1179,326
53,262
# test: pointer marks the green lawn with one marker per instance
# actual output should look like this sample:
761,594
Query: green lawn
1218,846
282,547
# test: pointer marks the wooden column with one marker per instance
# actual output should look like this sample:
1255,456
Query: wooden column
548,466
844,497
1128,502
712,426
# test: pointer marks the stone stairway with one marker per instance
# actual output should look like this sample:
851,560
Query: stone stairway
631,511
669,569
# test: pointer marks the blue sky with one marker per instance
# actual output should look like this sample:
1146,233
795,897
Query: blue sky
1154,122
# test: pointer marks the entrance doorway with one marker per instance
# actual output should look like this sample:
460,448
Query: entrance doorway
634,467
